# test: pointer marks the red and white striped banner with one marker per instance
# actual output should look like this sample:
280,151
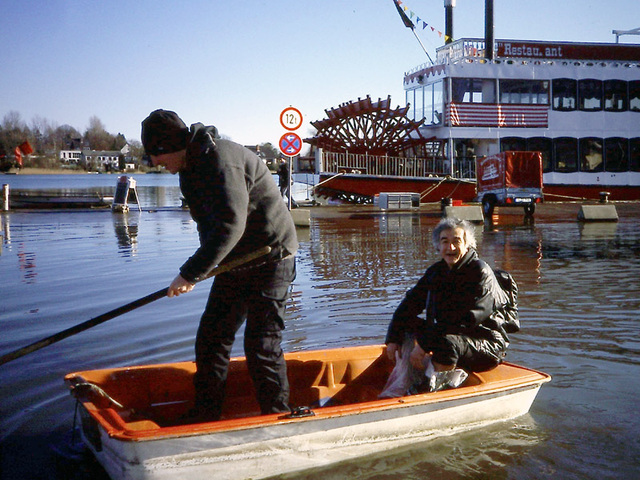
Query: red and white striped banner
495,115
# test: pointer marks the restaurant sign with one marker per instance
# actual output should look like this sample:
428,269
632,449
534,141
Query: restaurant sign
567,51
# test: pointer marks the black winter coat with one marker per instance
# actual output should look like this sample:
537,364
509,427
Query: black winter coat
235,201
465,300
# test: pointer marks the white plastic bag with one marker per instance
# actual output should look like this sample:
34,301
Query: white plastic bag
406,380
447,379
403,375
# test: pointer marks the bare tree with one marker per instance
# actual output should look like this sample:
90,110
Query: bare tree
96,135
13,130
66,137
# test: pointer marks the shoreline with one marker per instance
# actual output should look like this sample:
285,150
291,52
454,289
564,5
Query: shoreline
59,171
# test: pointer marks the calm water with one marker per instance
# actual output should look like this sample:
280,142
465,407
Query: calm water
579,300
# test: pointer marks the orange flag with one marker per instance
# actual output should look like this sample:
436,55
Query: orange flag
26,148
18,154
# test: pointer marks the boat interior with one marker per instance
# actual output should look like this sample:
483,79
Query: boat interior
157,396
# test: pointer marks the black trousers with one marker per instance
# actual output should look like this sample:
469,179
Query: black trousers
258,296
477,353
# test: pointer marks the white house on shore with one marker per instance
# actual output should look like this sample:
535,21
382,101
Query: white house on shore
106,160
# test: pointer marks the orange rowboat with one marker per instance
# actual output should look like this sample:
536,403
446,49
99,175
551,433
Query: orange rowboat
132,418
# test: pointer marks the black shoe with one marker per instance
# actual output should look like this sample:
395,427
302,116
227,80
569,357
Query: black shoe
422,387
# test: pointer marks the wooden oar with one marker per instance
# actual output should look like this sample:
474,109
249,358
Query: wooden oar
125,308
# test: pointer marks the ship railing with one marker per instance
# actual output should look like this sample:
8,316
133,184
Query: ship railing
344,162
462,48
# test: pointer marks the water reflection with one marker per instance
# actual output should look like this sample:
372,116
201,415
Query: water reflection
398,224
509,217
598,230
512,246
126,228
27,264
494,453
5,220
579,303
369,251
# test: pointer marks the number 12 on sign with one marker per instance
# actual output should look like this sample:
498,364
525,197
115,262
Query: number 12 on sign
291,118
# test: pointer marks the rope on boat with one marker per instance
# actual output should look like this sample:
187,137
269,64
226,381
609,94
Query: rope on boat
81,389
431,189
448,177
565,196
328,179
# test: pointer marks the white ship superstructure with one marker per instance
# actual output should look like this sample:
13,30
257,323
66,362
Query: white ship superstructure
577,103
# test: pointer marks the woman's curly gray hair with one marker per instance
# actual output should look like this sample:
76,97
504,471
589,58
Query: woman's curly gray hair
450,223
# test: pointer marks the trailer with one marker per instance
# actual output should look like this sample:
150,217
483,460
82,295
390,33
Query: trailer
510,179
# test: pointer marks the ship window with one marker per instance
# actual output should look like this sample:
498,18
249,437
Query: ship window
591,155
465,158
541,144
524,91
411,113
590,94
616,154
634,154
466,90
419,103
512,144
634,95
615,95
565,154
564,92
438,102
433,103
464,148
488,91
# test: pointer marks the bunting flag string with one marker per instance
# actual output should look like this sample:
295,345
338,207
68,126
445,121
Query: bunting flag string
419,20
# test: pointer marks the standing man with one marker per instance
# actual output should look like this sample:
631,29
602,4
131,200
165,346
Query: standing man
283,178
238,209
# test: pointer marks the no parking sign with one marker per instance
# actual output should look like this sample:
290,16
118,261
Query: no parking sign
290,144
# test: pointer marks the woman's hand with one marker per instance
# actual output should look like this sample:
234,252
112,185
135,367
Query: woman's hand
392,348
417,357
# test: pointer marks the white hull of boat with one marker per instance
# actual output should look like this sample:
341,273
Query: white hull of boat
266,451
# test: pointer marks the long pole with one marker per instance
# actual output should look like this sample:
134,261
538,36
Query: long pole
290,174
81,327
422,45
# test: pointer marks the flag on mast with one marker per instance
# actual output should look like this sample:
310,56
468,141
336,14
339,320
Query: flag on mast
24,148
407,23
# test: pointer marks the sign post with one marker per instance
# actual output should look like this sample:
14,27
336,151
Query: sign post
290,143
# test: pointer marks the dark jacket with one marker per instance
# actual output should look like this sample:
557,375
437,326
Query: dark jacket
235,202
465,300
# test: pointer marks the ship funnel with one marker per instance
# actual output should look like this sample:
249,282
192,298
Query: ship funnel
488,29
448,20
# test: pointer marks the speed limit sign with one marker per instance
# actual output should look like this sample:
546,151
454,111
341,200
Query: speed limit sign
291,118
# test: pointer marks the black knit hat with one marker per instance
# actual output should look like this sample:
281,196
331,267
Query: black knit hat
163,132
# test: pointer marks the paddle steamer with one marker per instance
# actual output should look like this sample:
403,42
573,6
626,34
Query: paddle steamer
577,103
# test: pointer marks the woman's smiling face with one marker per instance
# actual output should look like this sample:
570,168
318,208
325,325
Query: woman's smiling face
453,245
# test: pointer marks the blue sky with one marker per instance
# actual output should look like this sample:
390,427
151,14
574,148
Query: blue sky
238,64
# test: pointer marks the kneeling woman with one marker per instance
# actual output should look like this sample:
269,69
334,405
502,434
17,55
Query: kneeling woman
464,308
